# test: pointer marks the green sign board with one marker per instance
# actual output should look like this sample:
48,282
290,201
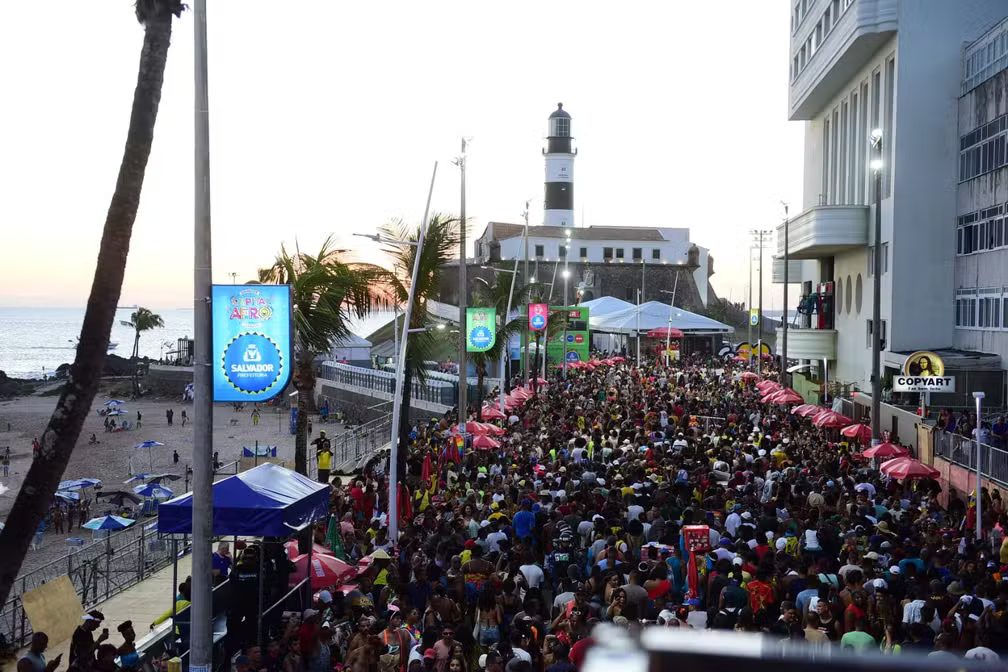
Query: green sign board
481,329
571,343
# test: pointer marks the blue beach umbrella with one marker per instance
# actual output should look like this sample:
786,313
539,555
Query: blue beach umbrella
68,495
114,402
108,523
138,478
148,444
154,491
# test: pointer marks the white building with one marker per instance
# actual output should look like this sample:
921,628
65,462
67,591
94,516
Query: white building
857,65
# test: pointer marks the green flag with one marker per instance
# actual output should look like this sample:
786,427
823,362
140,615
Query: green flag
481,329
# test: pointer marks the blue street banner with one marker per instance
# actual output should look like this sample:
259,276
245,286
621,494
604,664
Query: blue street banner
251,341
481,329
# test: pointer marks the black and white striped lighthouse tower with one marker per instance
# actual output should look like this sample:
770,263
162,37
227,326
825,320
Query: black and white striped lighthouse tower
558,202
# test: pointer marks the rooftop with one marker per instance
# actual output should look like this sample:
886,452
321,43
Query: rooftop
502,231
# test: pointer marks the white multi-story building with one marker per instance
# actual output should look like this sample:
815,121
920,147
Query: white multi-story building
893,65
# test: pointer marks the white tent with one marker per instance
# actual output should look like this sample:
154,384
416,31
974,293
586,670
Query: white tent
353,349
605,305
654,315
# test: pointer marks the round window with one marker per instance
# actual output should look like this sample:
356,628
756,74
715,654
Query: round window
857,294
848,293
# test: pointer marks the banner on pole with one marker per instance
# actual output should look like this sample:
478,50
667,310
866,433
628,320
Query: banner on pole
754,316
481,327
538,316
251,341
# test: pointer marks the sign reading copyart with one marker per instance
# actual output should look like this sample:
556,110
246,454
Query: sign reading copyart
481,329
251,341
923,371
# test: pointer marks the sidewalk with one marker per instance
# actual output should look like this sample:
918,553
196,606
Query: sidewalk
141,604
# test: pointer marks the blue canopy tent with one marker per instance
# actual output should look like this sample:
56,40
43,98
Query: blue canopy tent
267,501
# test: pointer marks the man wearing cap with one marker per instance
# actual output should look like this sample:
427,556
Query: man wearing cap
83,644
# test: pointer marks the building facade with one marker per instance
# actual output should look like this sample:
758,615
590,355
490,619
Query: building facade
981,234
892,65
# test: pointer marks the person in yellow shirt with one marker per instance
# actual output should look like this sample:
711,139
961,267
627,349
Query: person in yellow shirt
1004,551
181,602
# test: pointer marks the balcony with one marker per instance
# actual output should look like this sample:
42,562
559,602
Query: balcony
824,231
794,270
817,344
859,32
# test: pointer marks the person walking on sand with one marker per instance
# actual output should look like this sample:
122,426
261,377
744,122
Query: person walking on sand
174,456
185,418
169,414
58,519
6,465
255,417
139,419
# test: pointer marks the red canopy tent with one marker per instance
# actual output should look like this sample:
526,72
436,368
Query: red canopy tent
480,428
664,332
749,375
903,468
806,410
827,419
485,442
857,431
886,450
326,570
784,397
291,547
491,413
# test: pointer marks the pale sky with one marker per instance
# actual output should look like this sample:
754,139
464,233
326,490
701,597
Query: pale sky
326,117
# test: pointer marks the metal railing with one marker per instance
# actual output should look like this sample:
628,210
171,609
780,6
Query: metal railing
437,388
962,450
98,571
357,444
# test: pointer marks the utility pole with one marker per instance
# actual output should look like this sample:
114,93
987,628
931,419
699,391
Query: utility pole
463,379
525,281
876,379
749,308
785,317
201,627
760,236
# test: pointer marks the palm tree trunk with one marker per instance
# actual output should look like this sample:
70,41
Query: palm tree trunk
301,425
133,362
480,373
78,394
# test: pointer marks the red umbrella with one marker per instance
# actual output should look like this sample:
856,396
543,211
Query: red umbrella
902,468
492,413
827,419
858,431
485,442
806,410
481,428
785,397
618,358
664,332
291,547
326,570
749,375
886,450
425,470
765,386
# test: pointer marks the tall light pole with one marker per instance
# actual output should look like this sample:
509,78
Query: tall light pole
749,308
979,478
201,627
563,349
507,315
463,384
668,332
783,368
760,236
400,374
876,377
525,279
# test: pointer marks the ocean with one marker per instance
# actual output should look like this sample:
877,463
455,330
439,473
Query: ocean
34,341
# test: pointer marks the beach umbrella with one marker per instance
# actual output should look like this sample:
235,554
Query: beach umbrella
291,548
804,410
492,413
325,570
148,444
903,468
749,375
481,428
857,431
137,478
827,419
485,442
785,396
886,450
68,495
157,478
154,491
114,402
108,523
117,411
768,384
78,484
118,498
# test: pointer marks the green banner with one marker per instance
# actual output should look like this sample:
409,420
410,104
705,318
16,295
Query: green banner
481,329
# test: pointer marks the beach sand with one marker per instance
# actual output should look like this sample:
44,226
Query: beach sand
109,460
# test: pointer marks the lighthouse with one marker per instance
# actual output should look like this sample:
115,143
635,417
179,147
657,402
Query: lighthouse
558,202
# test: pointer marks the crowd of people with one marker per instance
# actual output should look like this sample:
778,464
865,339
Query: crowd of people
640,496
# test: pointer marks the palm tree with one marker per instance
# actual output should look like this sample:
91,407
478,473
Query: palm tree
537,292
440,242
326,294
75,401
495,295
142,319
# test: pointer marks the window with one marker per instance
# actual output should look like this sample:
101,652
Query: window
619,252
584,252
989,309
876,99
842,166
855,153
966,308
868,333
871,260
826,161
606,253
885,258
839,296
982,230
655,253
849,294
539,251
858,290
835,159
836,10
862,147
826,21
638,254
562,251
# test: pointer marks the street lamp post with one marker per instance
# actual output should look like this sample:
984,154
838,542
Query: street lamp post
787,311
463,387
393,493
978,396
507,315
760,237
668,331
876,378
563,349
